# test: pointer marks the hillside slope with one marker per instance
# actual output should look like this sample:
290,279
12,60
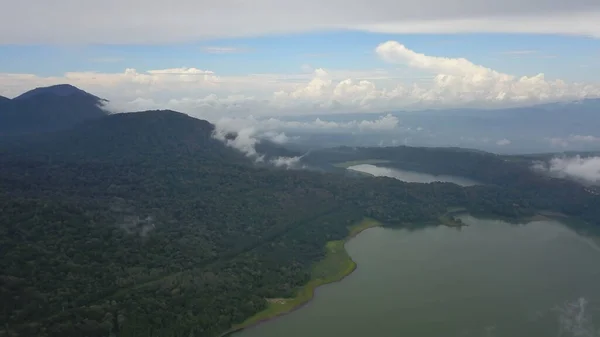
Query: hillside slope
149,203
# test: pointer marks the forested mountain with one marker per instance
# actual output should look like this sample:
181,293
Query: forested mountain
511,173
48,109
143,224
160,135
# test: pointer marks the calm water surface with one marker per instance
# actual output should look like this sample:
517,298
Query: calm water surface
488,279
410,176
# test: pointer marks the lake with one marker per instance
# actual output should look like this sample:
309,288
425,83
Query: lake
410,176
488,279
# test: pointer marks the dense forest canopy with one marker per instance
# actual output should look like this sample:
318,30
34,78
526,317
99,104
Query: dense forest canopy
143,224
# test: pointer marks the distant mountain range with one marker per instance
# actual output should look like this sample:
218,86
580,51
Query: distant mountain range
48,109
551,127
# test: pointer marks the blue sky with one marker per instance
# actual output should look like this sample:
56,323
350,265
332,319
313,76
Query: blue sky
571,58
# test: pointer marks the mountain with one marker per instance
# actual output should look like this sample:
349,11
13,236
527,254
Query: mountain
133,136
62,90
164,135
6,105
126,205
48,109
143,224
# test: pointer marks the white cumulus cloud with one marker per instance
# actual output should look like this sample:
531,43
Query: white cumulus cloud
452,82
458,79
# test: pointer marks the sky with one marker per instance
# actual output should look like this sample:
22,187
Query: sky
271,58
258,67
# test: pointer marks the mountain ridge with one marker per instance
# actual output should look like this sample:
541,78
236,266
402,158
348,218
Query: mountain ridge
58,90
131,137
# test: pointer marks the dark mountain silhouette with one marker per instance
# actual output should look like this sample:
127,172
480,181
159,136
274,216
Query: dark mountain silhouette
157,136
63,90
48,109
6,105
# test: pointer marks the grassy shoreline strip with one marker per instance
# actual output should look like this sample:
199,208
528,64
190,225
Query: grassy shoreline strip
336,265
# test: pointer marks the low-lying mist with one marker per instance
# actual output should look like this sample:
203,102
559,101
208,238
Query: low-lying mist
410,176
246,139
536,129
582,169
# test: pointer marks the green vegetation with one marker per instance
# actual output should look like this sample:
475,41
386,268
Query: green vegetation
365,224
451,221
336,265
144,225
360,162
518,189
456,210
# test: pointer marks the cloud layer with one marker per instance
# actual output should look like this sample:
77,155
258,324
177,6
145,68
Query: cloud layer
578,168
274,129
123,22
245,139
452,82
573,139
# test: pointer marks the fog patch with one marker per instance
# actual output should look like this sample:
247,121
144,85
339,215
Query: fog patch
276,137
503,142
287,162
244,139
133,224
582,169
272,125
410,176
575,320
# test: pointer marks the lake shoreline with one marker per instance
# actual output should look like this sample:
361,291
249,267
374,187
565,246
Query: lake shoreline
464,272
281,314
313,284
382,169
